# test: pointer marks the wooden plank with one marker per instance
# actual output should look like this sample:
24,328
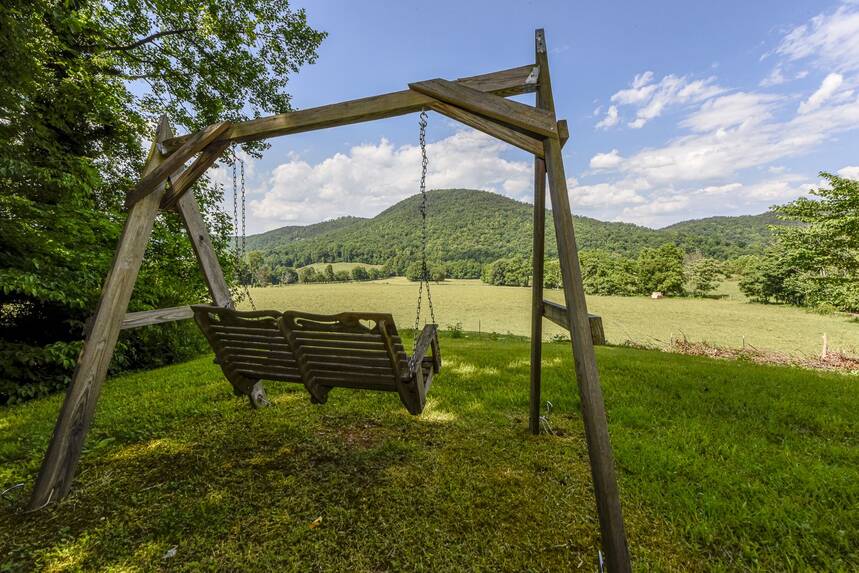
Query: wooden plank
563,132
514,81
531,119
204,250
613,536
61,459
189,176
488,126
157,316
538,259
155,178
557,313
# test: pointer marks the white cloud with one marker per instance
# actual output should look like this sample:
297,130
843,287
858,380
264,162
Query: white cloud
652,99
608,160
371,177
827,89
831,40
608,194
714,190
849,172
611,118
730,110
775,78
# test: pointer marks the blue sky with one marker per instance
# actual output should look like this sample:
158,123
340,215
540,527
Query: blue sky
677,110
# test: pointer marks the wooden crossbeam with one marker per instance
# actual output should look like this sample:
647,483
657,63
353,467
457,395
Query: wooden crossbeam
158,316
489,126
557,313
174,162
514,81
531,119
186,179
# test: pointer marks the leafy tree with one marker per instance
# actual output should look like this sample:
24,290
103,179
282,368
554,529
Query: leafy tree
661,269
308,275
822,246
704,275
288,276
375,274
513,271
328,274
552,274
607,273
72,130
360,274
342,276
438,273
769,278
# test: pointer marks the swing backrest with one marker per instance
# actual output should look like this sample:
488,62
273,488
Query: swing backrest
347,350
248,343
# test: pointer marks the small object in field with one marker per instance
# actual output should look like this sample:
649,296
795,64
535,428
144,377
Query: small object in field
170,553
315,523
656,295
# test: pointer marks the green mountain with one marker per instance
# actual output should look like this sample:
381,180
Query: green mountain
476,227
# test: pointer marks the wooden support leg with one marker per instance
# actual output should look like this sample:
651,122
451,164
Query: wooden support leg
587,375
538,259
58,467
613,536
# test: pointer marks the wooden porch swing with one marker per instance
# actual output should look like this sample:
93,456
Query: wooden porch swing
298,347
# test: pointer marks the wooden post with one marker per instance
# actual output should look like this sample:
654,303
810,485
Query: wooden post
205,251
613,536
58,467
538,261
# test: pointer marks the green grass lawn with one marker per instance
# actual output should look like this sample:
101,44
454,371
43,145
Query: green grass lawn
639,319
723,466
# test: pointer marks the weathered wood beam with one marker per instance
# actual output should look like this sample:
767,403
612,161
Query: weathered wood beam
612,532
174,162
489,126
537,121
514,81
204,250
189,176
58,468
158,316
538,261
557,313
563,132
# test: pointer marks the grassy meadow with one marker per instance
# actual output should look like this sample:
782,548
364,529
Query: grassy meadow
723,466
480,307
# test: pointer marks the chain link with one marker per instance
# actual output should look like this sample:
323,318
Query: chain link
422,122
240,243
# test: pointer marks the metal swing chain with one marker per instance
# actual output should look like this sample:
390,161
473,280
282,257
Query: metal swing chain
240,248
422,122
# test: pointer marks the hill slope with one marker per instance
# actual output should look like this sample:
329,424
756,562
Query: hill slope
478,226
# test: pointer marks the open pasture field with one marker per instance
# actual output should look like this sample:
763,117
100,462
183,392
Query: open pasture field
722,466
486,308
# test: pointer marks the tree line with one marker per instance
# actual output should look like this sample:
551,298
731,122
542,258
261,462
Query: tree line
664,269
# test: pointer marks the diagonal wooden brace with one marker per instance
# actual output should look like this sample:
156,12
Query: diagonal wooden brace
172,163
539,122
189,176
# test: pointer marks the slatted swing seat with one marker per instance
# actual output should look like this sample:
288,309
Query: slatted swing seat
249,347
361,351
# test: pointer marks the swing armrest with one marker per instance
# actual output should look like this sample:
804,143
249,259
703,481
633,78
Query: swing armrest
428,340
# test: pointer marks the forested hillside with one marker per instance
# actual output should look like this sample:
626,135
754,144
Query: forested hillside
469,226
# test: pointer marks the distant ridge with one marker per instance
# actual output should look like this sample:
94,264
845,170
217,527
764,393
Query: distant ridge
472,225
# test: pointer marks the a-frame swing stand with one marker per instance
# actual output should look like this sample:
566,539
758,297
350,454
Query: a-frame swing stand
478,102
